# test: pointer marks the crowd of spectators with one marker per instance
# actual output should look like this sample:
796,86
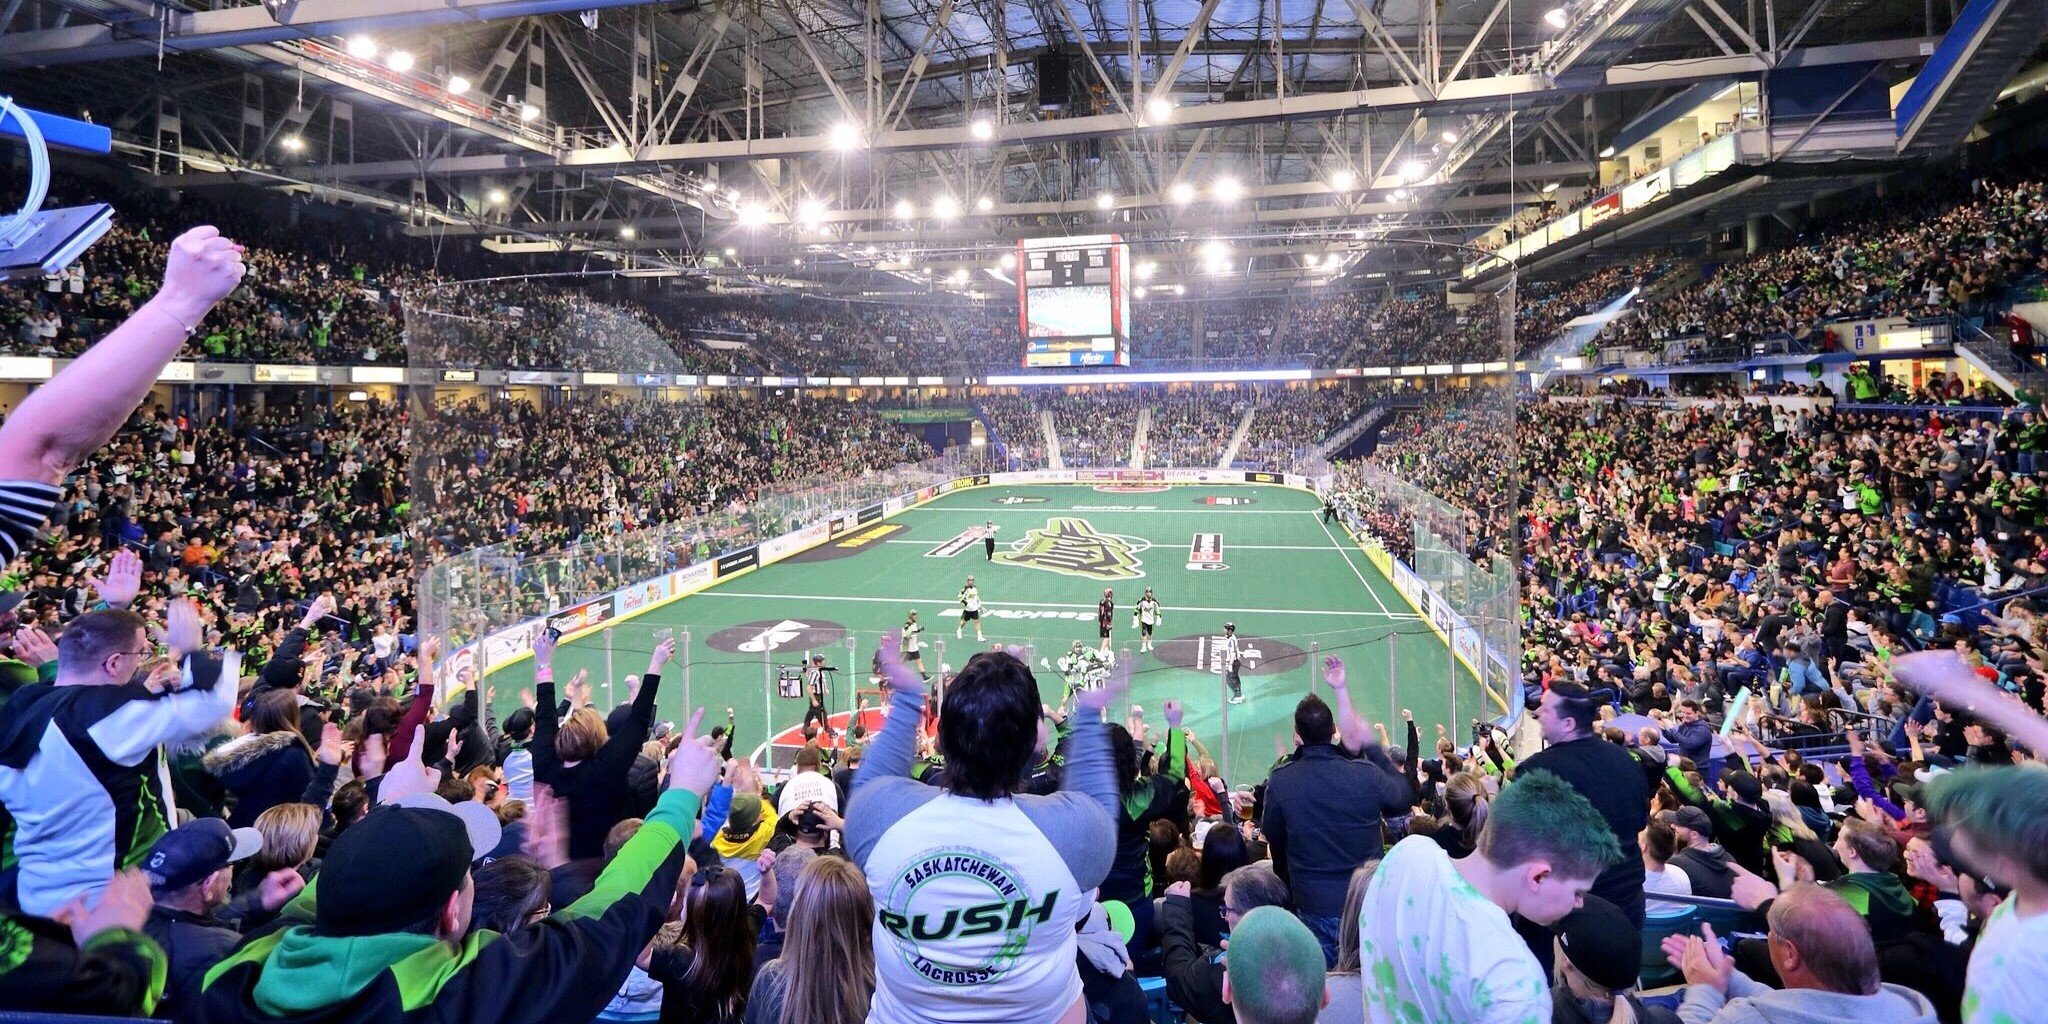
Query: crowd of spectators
216,817
1014,423
1097,428
1292,422
1955,246
1192,428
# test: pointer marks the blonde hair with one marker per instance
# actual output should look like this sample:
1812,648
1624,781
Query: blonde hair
290,834
828,958
1785,815
1467,797
582,736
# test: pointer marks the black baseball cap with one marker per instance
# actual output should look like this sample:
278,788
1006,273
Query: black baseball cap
363,891
1691,818
187,854
1602,943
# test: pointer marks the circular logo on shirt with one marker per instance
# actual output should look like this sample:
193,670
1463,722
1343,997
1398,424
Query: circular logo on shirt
777,635
1259,656
959,917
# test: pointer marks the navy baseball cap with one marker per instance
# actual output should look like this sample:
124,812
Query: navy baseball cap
189,853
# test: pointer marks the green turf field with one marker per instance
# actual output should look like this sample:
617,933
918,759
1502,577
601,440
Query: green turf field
1292,586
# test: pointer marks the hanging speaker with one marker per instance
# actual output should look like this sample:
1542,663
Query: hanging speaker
1055,80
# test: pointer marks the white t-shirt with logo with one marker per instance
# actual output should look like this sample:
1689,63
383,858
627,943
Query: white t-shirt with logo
1432,950
2006,968
975,917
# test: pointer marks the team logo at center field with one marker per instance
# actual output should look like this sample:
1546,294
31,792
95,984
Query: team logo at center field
1072,546
777,635
1205,552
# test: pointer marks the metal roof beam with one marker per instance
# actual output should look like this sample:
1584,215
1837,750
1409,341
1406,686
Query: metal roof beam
1467,95
193,31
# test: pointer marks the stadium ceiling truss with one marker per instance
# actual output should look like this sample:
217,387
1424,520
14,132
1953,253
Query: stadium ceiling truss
893,139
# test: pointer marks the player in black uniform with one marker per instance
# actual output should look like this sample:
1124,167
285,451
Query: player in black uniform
1105,615
814,693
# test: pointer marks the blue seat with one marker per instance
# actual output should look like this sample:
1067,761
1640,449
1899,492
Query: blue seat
1655,970
1159,1009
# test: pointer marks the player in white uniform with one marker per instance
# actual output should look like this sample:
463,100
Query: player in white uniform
970,610
913,647
1146,617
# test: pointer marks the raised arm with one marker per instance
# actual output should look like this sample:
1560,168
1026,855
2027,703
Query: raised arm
1943,676
894,748
422,706
65,420
1353,731
546,766
1091,765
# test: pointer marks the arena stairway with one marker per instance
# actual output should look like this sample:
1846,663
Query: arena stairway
1992,356
1244,426
1986,46
1053,458
1139,436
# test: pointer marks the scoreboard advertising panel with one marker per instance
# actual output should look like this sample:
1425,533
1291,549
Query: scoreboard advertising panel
1074,301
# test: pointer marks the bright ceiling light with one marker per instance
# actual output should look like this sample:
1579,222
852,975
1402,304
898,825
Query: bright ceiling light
1450,137
1343,180
1158,110
1181,192
528,112
496,196
457,85
1138,292
1213,250
1557,17
627,231
1009,260
903,210
1548,189
399,61
982,129
1607,154
1311,261
362,47
945,207
1413,170
731,252
845,135
1146,270
752,215
811,212
292,143
1105,201
984,204
1227,190
960,276
1398,194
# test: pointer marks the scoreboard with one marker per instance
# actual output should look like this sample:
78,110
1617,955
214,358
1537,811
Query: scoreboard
1074,301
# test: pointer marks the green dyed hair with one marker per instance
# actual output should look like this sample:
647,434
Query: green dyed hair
1541,817
2004,809
1275,968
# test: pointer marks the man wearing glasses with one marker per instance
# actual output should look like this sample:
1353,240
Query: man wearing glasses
1193,970
79,758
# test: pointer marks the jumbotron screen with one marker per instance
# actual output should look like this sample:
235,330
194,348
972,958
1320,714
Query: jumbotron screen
1074,301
